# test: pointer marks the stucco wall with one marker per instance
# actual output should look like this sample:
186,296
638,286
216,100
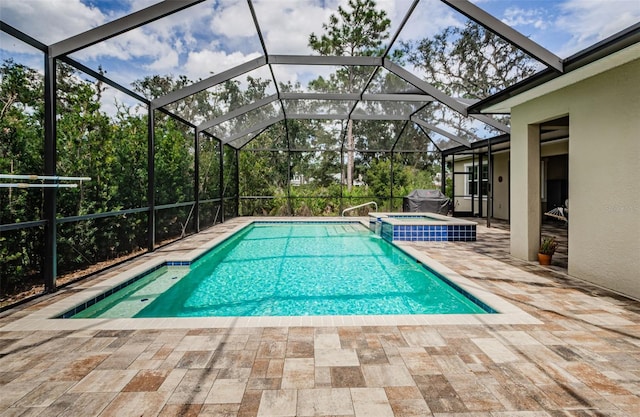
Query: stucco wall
604,190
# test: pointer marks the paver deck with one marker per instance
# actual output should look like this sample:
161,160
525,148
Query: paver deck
580,358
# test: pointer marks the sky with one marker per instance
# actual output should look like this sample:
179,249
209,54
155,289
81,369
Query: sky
219,34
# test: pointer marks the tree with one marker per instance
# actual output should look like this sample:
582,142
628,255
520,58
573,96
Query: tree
378,177
198,106
21,152
358,29
468,62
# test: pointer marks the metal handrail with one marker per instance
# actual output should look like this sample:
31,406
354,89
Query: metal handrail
360,205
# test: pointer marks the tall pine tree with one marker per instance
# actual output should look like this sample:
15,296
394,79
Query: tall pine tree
357,30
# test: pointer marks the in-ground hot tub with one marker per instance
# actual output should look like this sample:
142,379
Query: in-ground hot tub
421,227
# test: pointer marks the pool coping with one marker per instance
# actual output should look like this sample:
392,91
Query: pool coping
414,219
44,318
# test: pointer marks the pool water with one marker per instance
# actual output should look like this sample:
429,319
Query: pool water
291,269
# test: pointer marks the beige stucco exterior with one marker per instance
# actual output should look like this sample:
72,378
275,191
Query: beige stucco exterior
604,190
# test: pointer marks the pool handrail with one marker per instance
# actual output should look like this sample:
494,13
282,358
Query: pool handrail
360,205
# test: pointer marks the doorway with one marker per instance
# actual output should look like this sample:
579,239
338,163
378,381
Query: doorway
554,184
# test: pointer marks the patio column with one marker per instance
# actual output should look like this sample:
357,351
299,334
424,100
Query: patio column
236,186
525,191
151,178
221,179
341,177
196,179
289,206
443,174
489,184
50,266
391,185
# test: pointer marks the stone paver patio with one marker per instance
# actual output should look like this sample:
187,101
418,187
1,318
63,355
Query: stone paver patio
583,359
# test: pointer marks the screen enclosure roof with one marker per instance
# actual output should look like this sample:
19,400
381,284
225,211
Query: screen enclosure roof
211,43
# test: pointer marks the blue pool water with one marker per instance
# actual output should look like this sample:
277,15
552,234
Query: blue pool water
291,269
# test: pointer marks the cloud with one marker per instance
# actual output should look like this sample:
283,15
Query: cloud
233,19
11,47
429,18
589,21
286,29
516,16
165,63
138,53
201,64
51,21
135,5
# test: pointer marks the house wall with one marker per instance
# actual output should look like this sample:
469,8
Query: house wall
604,192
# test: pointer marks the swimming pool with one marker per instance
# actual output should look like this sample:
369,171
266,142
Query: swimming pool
290,269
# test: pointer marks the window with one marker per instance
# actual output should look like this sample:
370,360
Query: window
470,184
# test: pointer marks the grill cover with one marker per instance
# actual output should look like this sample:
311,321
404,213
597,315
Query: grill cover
426,201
